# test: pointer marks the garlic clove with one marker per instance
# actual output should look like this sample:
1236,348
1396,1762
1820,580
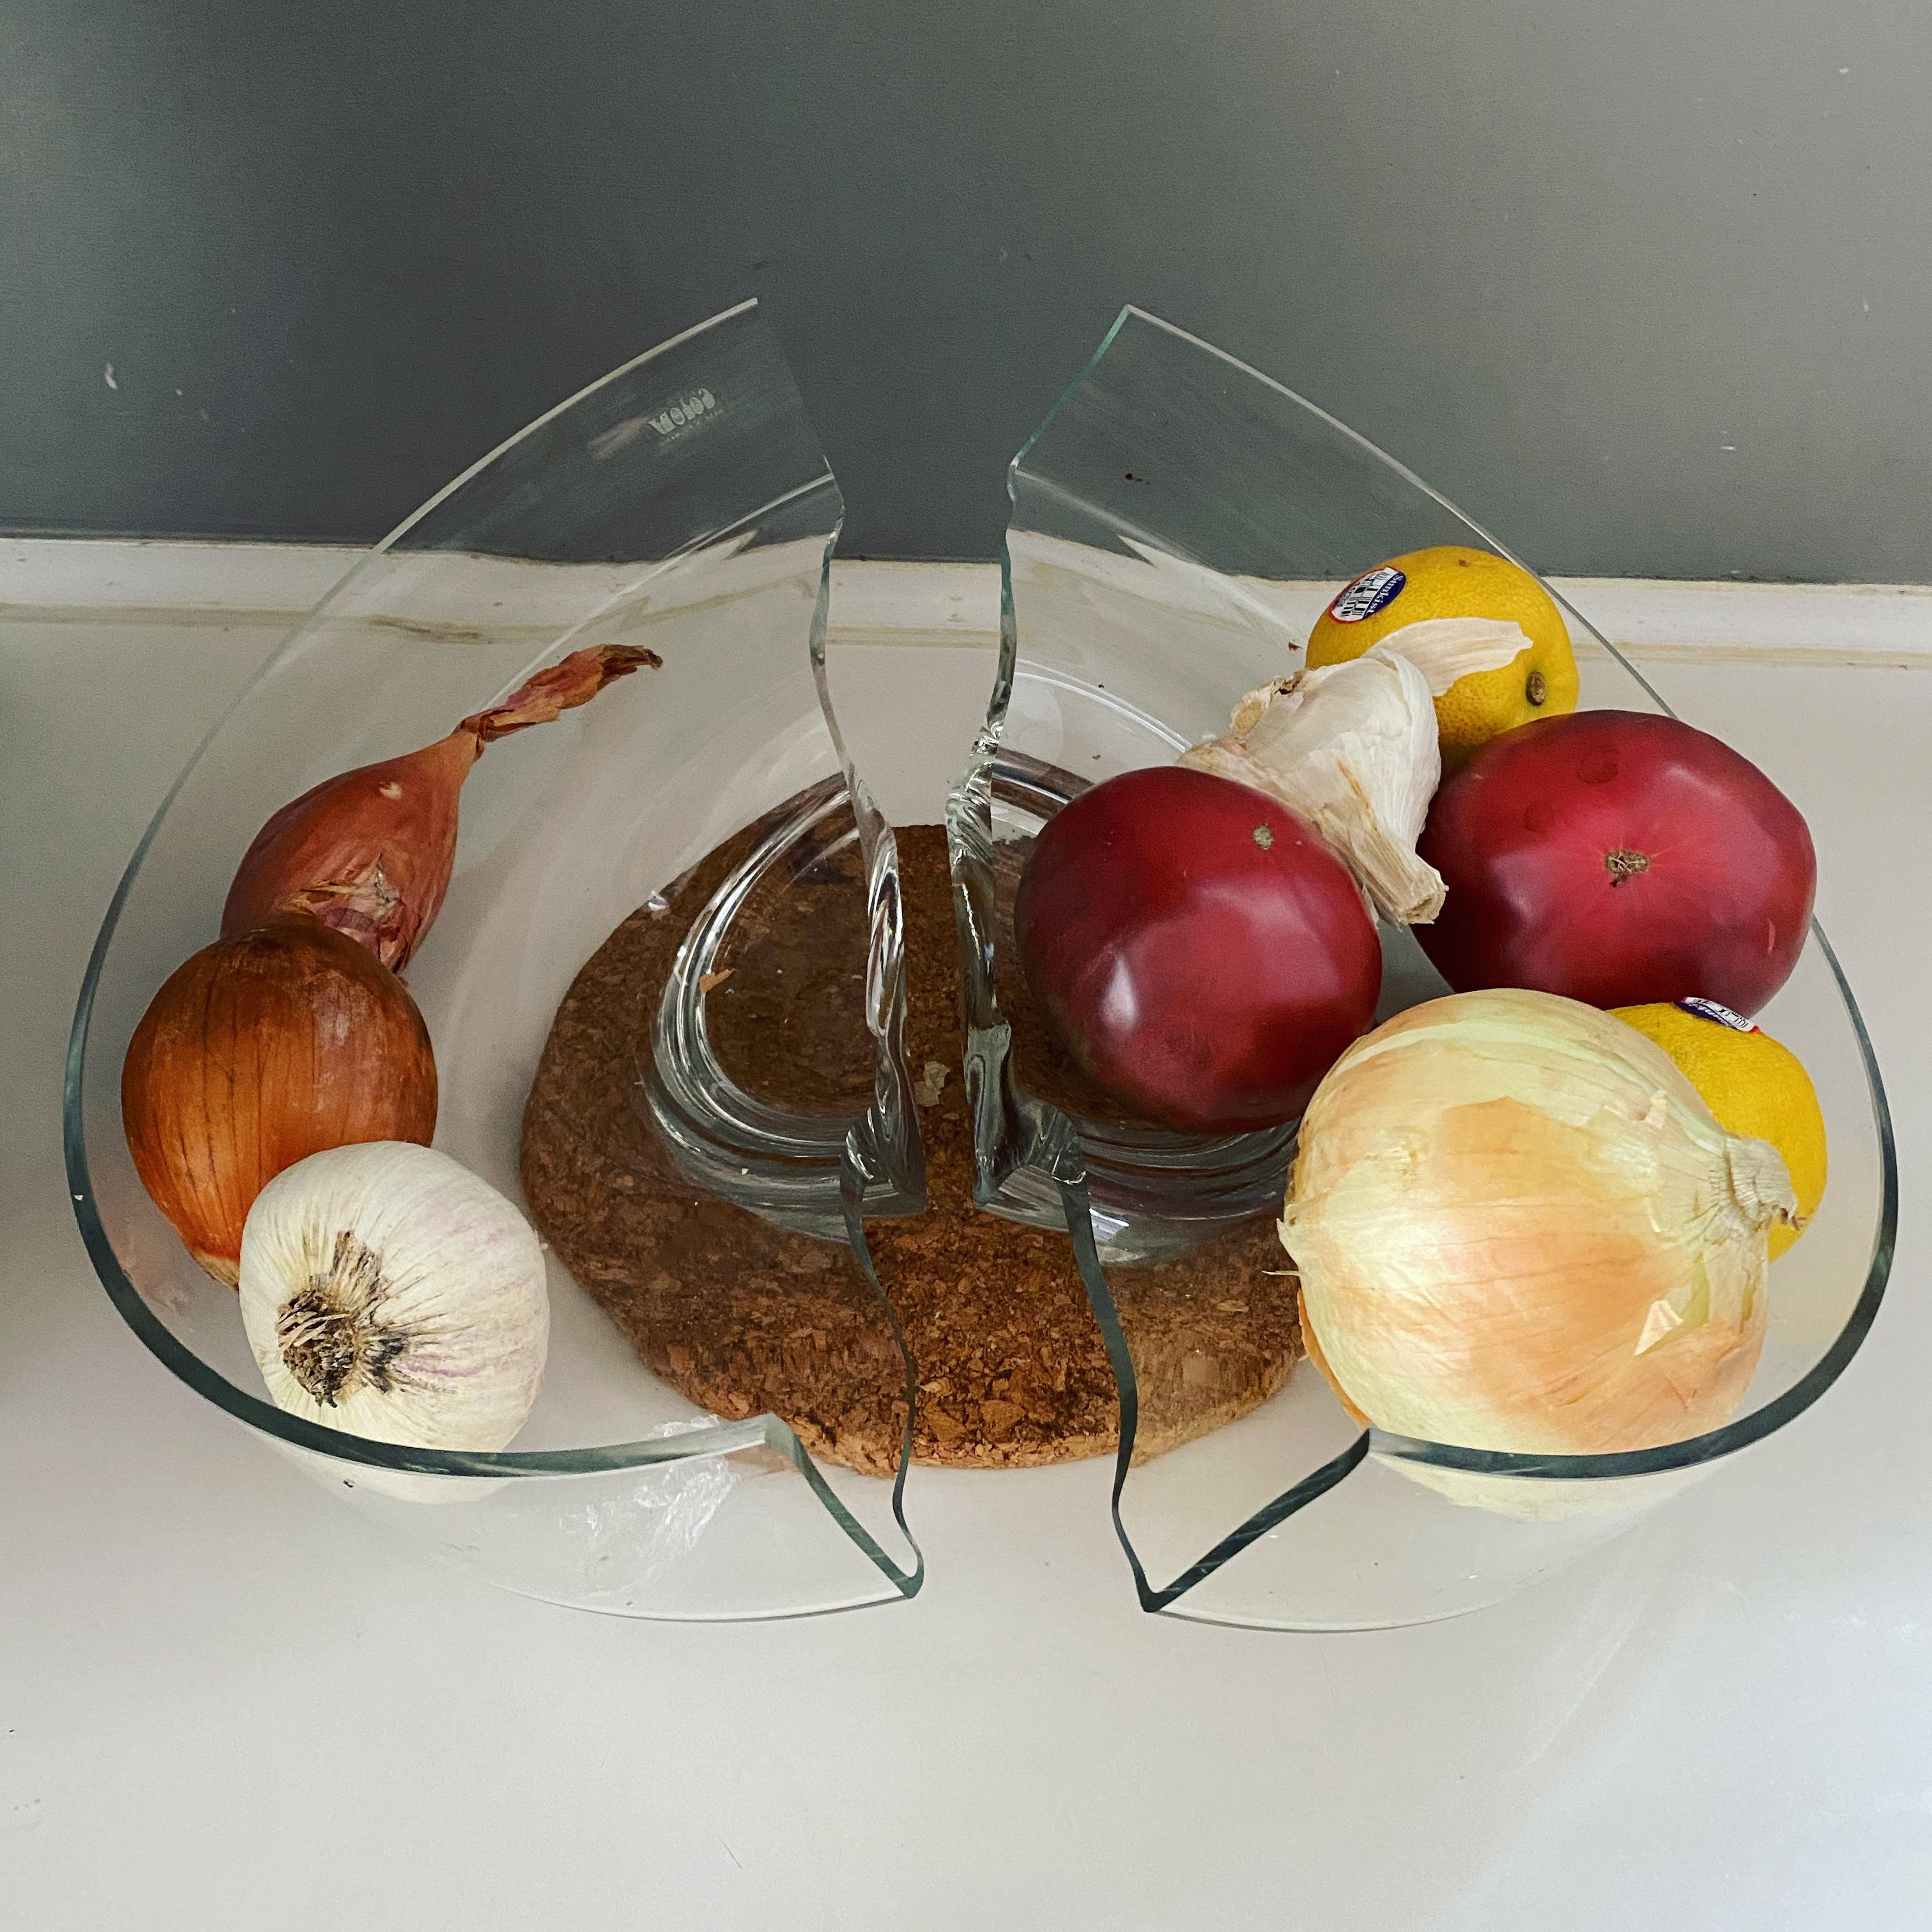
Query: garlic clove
388,1292
1353,748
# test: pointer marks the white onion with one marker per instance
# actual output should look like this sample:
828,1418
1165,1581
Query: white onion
1519,1228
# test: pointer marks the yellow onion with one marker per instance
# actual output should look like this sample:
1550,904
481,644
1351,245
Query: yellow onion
1519,1228
257,1052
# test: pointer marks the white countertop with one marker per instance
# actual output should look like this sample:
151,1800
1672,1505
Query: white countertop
225,1702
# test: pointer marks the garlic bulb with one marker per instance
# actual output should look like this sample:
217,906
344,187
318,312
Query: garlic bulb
389,1293
1519,1228
1353,748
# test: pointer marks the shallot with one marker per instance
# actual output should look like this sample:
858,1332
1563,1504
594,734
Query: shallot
369,851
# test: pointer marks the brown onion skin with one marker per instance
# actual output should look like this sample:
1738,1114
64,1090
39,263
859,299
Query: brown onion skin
257,1052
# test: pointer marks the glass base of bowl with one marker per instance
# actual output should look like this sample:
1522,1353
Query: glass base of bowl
789,1163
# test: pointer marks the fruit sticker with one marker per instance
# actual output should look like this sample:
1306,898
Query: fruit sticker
1709,1009
1367,594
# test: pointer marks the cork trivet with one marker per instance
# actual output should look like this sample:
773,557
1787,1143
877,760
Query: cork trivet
740,1316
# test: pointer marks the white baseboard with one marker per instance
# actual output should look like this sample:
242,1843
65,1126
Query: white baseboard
1874,625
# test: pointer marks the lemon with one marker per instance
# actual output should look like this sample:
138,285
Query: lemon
1450,581
1752,1084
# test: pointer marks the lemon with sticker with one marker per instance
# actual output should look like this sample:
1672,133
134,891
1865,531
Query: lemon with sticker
1448,582
1752,1084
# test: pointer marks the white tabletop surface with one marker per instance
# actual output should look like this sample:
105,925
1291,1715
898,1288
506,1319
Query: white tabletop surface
226,1702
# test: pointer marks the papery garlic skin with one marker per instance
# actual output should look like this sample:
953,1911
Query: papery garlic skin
1351,747
1445,649
1517,1229
388,1292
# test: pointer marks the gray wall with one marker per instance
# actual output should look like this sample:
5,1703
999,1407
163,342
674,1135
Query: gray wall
1644,285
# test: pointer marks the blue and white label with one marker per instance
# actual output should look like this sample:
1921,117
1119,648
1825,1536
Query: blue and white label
1709,1009
1367,594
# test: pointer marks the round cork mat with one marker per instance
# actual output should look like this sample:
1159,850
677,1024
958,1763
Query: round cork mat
741,1316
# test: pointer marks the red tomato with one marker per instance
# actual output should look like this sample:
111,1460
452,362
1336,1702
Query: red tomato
1618,858
1205,955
